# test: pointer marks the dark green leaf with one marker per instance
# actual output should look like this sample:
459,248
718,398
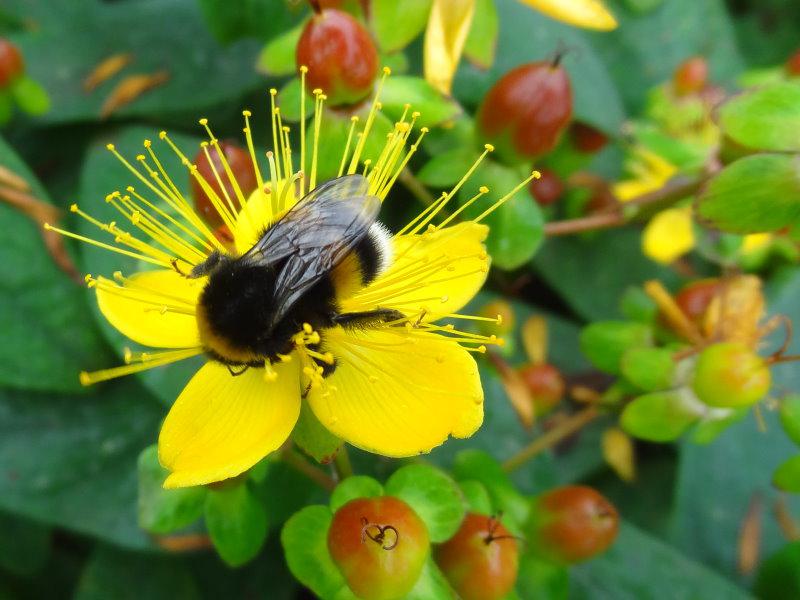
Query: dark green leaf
433,495
650,369
236,521
605,342
163,511
767,118
278,56
444,169
790,417
30,96
233,19
357,486
24,545
396,24
754,194
47,330
481,41
539,579
312,437
305,542
778,577
787,475
657,417
114,573
434,108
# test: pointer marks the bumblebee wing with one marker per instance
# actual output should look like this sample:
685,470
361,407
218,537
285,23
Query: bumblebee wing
315,236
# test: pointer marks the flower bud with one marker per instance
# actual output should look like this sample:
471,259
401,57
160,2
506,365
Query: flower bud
11,64
730,375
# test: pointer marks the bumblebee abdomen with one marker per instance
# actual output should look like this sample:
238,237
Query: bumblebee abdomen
369,258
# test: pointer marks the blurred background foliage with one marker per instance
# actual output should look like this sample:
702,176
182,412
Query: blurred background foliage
71,475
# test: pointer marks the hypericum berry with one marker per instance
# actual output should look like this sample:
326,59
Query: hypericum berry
691,76
694,298
242,168
498,309
586,138
340,55
730,375
547,189
481,560
380,545
546,385
793,64
526,111
11,64
570,524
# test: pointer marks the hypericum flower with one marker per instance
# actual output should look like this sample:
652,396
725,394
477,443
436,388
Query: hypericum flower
399,388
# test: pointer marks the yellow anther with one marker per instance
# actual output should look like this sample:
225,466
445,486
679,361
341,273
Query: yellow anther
424,130
73,207
246,113
147,143
110,147
303,69
162,135
499,319
536,174
316,91
307,328
483,189
203,121
284,358
387,71
489,147
273,92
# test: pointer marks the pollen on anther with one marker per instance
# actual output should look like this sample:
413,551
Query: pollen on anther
483,189
203,121
499,319
489,147
387,71
73,207
246,113
303,69
147,143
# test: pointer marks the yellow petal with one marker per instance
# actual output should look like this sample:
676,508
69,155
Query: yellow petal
395,395
137,308
669,235
591,14
222,425
258,213
755,241
448,26
438,271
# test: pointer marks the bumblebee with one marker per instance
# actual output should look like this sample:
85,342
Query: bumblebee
324,248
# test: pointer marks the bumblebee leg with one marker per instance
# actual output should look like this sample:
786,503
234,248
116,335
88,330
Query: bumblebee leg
178,270
237,373
368,318
205,267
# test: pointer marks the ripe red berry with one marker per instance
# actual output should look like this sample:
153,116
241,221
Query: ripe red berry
547,189
481,560
526,111
793,64
340,55
730,375
380,545
546,385
694,298
586,138
242,168
11,63
691,76
571,523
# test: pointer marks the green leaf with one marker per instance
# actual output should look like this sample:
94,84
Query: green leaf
540,579
605,342
444,169
6,106
30,96
163,511
650,369
431,585
481,41
46,323
787,475
790,416
289,102
516,228
305,542
657,417
277,58
476,497
434,108
433,495
636,305
24,545
312,437
357,486
754,194
230,21
396,24
70,461
236,522
767,118
778,576
114,573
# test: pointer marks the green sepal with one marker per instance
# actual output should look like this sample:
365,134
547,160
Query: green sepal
787,475
790,417
277,57
476,497
710,427
313,438
357,486
649,369
30,96
658,416
236,521
605,342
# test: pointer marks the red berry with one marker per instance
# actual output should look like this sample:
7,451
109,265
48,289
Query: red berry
793,64
571,523
548,189
691,76
380,545
242,168
546,385
526,111
586,138
481,560
11,63
340,55
730,375
694,298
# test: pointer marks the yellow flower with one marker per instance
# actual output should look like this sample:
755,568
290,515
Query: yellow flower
398,388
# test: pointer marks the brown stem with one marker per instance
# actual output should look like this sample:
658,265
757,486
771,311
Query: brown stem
184,543
552,437
635,210
315,6
342,464
291,457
